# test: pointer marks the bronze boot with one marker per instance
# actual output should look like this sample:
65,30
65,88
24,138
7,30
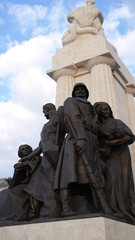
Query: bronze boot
34,209
66,203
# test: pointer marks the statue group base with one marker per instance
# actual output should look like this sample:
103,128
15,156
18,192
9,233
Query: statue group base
76,229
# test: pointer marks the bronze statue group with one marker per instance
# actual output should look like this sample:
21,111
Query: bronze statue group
85,167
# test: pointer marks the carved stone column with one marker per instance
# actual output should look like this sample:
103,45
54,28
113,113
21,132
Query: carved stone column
65,82
130,93
102,81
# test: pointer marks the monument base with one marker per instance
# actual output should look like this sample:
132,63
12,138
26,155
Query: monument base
78,229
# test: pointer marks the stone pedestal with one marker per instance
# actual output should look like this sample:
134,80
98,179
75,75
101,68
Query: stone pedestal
79,229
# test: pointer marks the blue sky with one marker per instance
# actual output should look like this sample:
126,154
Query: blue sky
30,34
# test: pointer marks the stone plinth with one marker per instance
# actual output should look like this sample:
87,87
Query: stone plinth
85,47
79,229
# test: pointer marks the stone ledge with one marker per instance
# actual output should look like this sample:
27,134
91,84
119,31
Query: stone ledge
78,229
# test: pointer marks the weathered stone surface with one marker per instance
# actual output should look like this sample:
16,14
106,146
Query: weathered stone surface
88,229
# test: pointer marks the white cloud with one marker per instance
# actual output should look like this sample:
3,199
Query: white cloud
38,19
120,13
34,52
24,69
27,16
126,50
17,125
130,3
6,42
124,41
57,16
113,20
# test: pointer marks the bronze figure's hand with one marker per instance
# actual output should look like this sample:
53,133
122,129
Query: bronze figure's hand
80,145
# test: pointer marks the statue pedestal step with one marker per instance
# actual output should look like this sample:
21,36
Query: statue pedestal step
78,229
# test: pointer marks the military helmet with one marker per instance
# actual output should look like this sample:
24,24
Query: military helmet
80,84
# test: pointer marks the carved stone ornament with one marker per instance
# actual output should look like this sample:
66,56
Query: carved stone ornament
100,60
83,20
64,72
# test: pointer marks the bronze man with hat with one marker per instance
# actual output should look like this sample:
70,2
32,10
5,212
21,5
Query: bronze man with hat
79,165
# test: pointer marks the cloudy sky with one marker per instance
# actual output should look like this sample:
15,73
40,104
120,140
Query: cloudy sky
30,33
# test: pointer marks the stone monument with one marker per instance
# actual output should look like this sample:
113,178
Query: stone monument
87,56
89,176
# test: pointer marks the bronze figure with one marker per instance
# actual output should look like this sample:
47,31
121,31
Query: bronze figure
24,170
114,138
34,176
85,168
79,163
41,183
14,201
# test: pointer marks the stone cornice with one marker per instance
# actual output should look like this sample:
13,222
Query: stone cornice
64,72
130,88
100,60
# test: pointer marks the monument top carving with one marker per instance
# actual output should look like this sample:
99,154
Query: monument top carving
83,20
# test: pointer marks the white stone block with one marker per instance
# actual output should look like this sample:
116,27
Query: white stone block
79,229
85,47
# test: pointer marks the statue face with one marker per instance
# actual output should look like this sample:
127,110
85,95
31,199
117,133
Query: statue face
46,112
80,91
49,110
105,111
25,150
